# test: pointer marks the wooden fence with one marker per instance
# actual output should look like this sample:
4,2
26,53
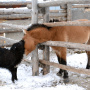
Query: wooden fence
44,9
23,10
45,61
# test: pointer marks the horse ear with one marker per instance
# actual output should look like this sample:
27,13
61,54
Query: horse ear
25,31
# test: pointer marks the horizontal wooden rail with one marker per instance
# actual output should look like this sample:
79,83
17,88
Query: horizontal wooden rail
11,3
8,41
14,26
81,6
15,16
67,44
10,30
69,23
69,68
14,6
58,3
15,11
28,15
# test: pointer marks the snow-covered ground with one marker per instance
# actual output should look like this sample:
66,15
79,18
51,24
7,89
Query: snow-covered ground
42,82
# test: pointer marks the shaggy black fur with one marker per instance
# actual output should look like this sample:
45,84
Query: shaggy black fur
34,26
10,58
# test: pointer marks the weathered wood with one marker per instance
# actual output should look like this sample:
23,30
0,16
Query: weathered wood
46,68
68,45
14,26
35,63
10,30
69,23
63,6
15,16
58,3
69,12
13,3
13,6
21,16
57,11
7,41
81,6
57,14
34,12
69,68
46,15
15,11
29,6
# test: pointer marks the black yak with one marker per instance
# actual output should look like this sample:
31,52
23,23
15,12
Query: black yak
9,59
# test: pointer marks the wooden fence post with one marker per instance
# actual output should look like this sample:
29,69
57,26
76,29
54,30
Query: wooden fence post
34,11
69,12
46,15
46,68
35,62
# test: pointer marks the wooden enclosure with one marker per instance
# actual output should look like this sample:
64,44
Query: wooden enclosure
35,11
45,61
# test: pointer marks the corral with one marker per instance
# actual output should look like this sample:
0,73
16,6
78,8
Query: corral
64,17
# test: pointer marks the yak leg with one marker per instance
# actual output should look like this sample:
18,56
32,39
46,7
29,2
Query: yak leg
14,74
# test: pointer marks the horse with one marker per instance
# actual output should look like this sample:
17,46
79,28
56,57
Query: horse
39,33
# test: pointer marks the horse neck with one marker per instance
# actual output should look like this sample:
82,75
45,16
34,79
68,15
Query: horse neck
52,33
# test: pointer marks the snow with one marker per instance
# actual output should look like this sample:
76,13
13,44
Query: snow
42,82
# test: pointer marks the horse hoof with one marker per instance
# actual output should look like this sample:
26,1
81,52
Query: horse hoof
59,74
66,80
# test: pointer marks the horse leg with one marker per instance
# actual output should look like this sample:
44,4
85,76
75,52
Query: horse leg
88,56
88,63
62,60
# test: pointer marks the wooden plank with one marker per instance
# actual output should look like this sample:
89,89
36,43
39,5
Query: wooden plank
69,23
35,62
15,11
10,30
46,15
69,12
34,12
57,14
7,41
69,68
13,6
14,26
15,16
29,6
63,6
46,68
81,6
21,16
58,3
57,11
11,3
68,45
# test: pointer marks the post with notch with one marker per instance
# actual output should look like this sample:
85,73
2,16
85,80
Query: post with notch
35,61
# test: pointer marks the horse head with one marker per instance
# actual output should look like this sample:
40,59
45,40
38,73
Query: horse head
34,35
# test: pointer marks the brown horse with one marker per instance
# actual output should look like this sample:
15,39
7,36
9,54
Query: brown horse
38,33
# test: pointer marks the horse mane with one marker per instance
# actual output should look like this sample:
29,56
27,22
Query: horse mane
34,26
